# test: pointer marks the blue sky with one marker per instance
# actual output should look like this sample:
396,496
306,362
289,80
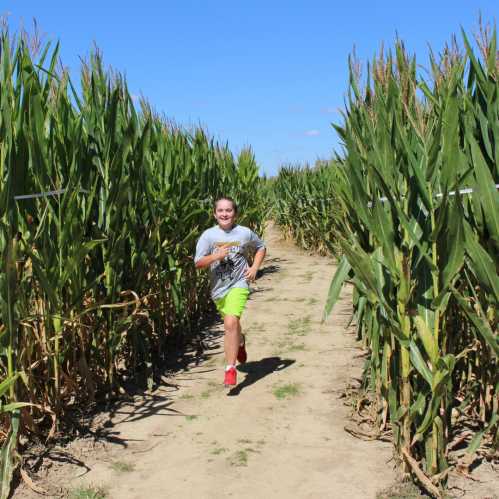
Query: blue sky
269,74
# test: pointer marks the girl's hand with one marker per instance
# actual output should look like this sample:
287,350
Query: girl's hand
221,253
250,274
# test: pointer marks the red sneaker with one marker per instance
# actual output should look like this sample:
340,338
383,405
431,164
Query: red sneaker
242,356
230,377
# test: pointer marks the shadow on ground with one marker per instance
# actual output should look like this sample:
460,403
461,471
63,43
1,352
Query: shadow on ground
257,370
142,394
268,269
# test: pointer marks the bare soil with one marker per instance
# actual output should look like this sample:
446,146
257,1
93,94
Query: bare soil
279,433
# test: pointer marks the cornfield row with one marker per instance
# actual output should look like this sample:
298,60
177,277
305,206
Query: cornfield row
422,256
306,208
100,207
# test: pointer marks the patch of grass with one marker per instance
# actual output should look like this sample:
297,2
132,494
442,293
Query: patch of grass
244,441
256,327
239,458
283,346
218,450
312,301
186,396
87,493
300,347
299,327
212,388
122,467
287,391
400,490
307,276
191,417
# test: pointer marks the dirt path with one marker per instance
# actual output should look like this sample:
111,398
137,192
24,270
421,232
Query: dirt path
278,434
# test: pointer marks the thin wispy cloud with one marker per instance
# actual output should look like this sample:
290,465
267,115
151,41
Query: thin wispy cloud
312,133
329,110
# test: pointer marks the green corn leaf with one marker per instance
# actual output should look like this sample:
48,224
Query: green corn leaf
7,383
442,371
450,146
484,266
418,407
477,438
9,459
419,363
486,191
453,257
361,264
431,412
342,272
14,406
385,235
482,327
428,339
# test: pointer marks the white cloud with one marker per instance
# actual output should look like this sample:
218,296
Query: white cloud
312,133
329,110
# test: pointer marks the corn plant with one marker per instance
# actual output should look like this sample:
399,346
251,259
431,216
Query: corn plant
417,203
101,203
421,251
305,205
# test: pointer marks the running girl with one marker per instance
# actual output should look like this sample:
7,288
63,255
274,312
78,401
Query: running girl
224,249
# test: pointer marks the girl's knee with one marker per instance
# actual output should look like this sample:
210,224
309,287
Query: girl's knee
231,323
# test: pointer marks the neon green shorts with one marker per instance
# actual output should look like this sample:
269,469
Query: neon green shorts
233,302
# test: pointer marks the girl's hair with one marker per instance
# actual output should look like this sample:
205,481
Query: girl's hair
225,198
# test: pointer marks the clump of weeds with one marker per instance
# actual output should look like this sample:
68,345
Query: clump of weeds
122,467
401,490
212,388
256,327
88,493
307,276
300,347
299,327
218,450
240,457
287,391
244,441
206,394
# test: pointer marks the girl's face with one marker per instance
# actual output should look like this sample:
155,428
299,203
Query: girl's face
225,214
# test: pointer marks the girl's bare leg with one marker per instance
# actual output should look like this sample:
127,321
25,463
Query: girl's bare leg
232,339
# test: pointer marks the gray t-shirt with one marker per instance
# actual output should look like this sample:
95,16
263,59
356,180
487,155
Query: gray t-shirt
228,273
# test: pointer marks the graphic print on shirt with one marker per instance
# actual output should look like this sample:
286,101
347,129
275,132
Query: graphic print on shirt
225,268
